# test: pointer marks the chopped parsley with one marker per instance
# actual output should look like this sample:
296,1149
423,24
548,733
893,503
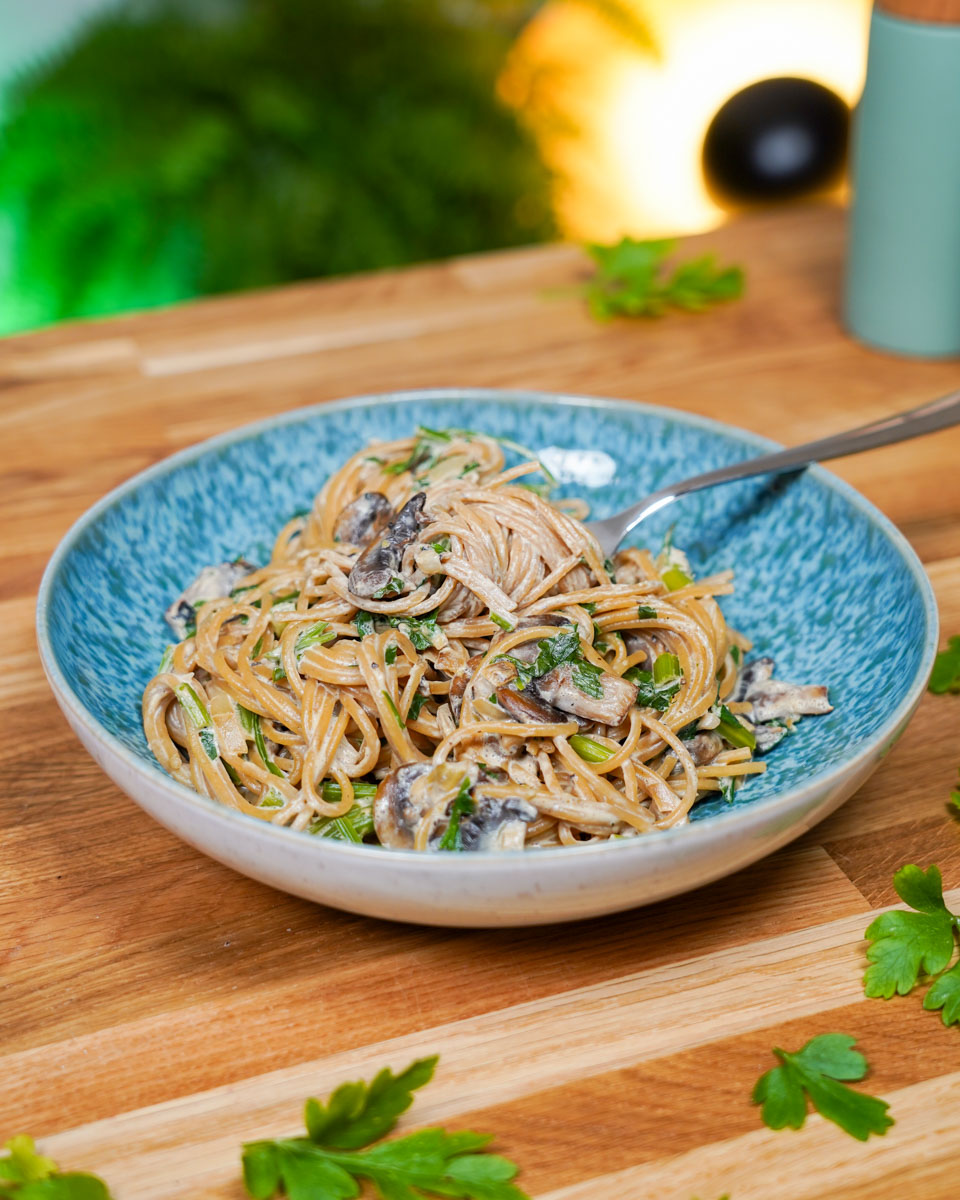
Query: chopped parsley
422,631
393,587
656,688
393,708
646,613
462,806
555,652
416,704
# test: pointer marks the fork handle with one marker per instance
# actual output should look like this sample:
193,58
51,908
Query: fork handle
939,414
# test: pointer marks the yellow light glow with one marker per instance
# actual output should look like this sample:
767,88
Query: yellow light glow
633,165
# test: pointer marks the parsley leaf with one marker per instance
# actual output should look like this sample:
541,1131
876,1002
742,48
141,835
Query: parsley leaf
555,652
945,995
945,676
463,806
908,944
818,1071
327,1164
422,631
629,281
393,587
418,701
359,1113
27,1174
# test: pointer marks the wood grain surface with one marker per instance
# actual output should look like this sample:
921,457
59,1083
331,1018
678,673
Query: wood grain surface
156,1009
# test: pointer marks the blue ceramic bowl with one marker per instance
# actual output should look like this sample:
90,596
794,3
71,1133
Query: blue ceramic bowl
824,584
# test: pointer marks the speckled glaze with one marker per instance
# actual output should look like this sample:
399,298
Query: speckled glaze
825,585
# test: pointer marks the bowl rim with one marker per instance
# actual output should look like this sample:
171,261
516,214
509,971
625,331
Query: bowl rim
715,826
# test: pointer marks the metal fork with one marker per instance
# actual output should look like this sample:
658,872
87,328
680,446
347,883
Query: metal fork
939,414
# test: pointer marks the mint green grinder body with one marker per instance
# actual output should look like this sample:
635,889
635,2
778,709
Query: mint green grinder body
903,265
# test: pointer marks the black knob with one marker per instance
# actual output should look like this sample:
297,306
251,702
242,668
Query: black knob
777,139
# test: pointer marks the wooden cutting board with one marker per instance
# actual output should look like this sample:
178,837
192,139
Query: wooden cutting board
156,1009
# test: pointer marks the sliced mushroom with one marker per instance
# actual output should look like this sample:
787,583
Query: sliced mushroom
617,695
381,566
406,795
212,583
497,825
772,699
648,642
495,674
363,519
528,707
704,747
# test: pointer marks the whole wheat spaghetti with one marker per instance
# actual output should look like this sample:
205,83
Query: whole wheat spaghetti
437,657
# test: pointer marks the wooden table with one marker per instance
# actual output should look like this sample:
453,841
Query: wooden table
157,1009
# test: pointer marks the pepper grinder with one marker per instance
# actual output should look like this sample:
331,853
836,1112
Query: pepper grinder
903,265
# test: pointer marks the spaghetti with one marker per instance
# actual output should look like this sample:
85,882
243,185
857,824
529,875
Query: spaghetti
438,657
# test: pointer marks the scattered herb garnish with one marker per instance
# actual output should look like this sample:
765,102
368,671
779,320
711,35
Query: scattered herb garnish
416,704
727,785
208,740
356,823
734,731
588,606
589,750
393,587
819,1071
337,1151
554,652
316,635
251,724
390,654
192,705
27,1175
906,945
656,688
735,655
646,613
393,708
945,676
630,281
422,631
462,806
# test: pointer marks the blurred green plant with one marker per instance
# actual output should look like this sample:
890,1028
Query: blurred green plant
179,149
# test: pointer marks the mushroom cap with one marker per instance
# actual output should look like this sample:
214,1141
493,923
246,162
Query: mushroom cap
363,518
383,559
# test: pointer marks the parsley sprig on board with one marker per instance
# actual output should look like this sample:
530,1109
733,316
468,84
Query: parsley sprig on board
945,676
820,1071
906,945
27,1175
338,1151
630,281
